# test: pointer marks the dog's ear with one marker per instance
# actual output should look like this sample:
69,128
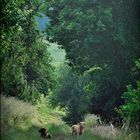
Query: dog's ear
82,123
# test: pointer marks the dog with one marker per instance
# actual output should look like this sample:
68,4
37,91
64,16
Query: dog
44,134
78,129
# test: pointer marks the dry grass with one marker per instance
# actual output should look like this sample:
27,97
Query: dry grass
112,133
109,132
16,113
105,131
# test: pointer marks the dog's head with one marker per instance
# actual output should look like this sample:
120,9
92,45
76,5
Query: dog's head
82,124
42,132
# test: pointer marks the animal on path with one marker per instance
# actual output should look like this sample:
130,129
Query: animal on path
78,129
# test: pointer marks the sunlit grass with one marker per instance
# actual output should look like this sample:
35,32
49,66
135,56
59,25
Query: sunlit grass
47,114
58,55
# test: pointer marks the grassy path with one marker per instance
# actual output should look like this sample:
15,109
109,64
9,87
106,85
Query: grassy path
19,124
32,134
58,129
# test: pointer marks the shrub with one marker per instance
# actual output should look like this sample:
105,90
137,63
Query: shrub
131,109
91,120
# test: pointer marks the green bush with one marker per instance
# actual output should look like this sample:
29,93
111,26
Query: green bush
131,109
91,120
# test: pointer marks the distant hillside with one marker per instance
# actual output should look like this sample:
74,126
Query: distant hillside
58,55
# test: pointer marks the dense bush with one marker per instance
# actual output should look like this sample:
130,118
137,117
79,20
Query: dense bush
25,62
91,120
71,93
131,109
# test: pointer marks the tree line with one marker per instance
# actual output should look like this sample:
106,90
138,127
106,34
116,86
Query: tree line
26,69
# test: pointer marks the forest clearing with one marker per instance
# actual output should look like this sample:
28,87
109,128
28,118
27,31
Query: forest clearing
70,69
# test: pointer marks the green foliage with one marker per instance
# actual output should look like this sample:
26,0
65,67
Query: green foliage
131,109
106,92
102,34
26,67
38,70
71,94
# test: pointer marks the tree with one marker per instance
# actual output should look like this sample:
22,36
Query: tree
13,55
97,34
25,70
71,93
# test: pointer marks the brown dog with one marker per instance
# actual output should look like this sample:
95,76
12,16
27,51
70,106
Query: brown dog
78,129
44,134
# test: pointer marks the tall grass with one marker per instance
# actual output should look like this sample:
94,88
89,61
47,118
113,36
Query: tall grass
15,112
108,131
16,120
21,121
